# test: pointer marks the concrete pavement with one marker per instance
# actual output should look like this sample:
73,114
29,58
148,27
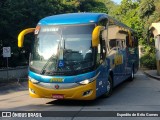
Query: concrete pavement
142,94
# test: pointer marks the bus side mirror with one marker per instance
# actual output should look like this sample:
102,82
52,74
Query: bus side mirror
22,34
96,35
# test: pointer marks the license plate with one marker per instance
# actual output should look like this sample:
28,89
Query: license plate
57,96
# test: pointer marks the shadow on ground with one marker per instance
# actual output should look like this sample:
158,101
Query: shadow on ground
6,88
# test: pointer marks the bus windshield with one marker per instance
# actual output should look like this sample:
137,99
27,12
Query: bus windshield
62,49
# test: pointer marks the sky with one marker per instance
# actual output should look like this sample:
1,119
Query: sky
117,1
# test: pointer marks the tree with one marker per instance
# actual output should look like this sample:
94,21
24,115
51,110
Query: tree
17,15
110,5
146,8
87,5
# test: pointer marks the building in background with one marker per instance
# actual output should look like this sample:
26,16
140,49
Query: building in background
155,29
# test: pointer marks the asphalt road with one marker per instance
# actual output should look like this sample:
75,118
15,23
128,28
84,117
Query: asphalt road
142,94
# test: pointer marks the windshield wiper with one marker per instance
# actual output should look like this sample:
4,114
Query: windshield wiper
44,67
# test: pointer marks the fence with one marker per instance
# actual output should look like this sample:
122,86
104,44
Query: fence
13,73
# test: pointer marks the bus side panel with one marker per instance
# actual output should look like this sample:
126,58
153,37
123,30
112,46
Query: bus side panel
133,58
136,63
101,83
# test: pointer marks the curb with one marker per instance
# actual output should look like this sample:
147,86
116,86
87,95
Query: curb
149,75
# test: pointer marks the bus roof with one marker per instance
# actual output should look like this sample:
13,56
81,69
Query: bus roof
78,18
72,18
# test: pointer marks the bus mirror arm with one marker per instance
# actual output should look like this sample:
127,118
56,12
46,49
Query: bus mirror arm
22,34
96,35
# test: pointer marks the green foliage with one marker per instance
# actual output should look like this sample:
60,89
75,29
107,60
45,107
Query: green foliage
87,5
146,8
17,15
148,61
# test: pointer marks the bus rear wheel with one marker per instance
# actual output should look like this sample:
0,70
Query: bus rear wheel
109,87
131,78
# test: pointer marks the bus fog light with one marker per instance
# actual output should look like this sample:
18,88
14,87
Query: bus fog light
31,90
87,92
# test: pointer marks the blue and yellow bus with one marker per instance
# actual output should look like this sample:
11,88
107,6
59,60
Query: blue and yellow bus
80,56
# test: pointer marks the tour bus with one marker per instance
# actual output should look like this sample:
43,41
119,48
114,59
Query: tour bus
80,56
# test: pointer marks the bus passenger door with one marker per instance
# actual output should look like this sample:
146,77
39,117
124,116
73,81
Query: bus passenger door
131,55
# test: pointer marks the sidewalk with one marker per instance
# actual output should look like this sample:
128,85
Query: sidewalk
4,82
152,74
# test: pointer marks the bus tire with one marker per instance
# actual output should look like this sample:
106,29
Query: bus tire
109,87
131,78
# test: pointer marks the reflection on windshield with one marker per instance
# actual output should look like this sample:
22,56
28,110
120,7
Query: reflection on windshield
48,44
62,49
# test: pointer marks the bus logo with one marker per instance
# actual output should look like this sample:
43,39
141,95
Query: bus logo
56,80
57,86
118,59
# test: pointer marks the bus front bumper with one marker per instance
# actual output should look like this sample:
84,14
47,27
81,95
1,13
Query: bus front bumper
81,92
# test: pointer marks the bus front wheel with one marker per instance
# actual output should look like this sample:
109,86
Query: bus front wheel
109,87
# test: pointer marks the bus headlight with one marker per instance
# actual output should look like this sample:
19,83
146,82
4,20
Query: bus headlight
33,80
85,82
